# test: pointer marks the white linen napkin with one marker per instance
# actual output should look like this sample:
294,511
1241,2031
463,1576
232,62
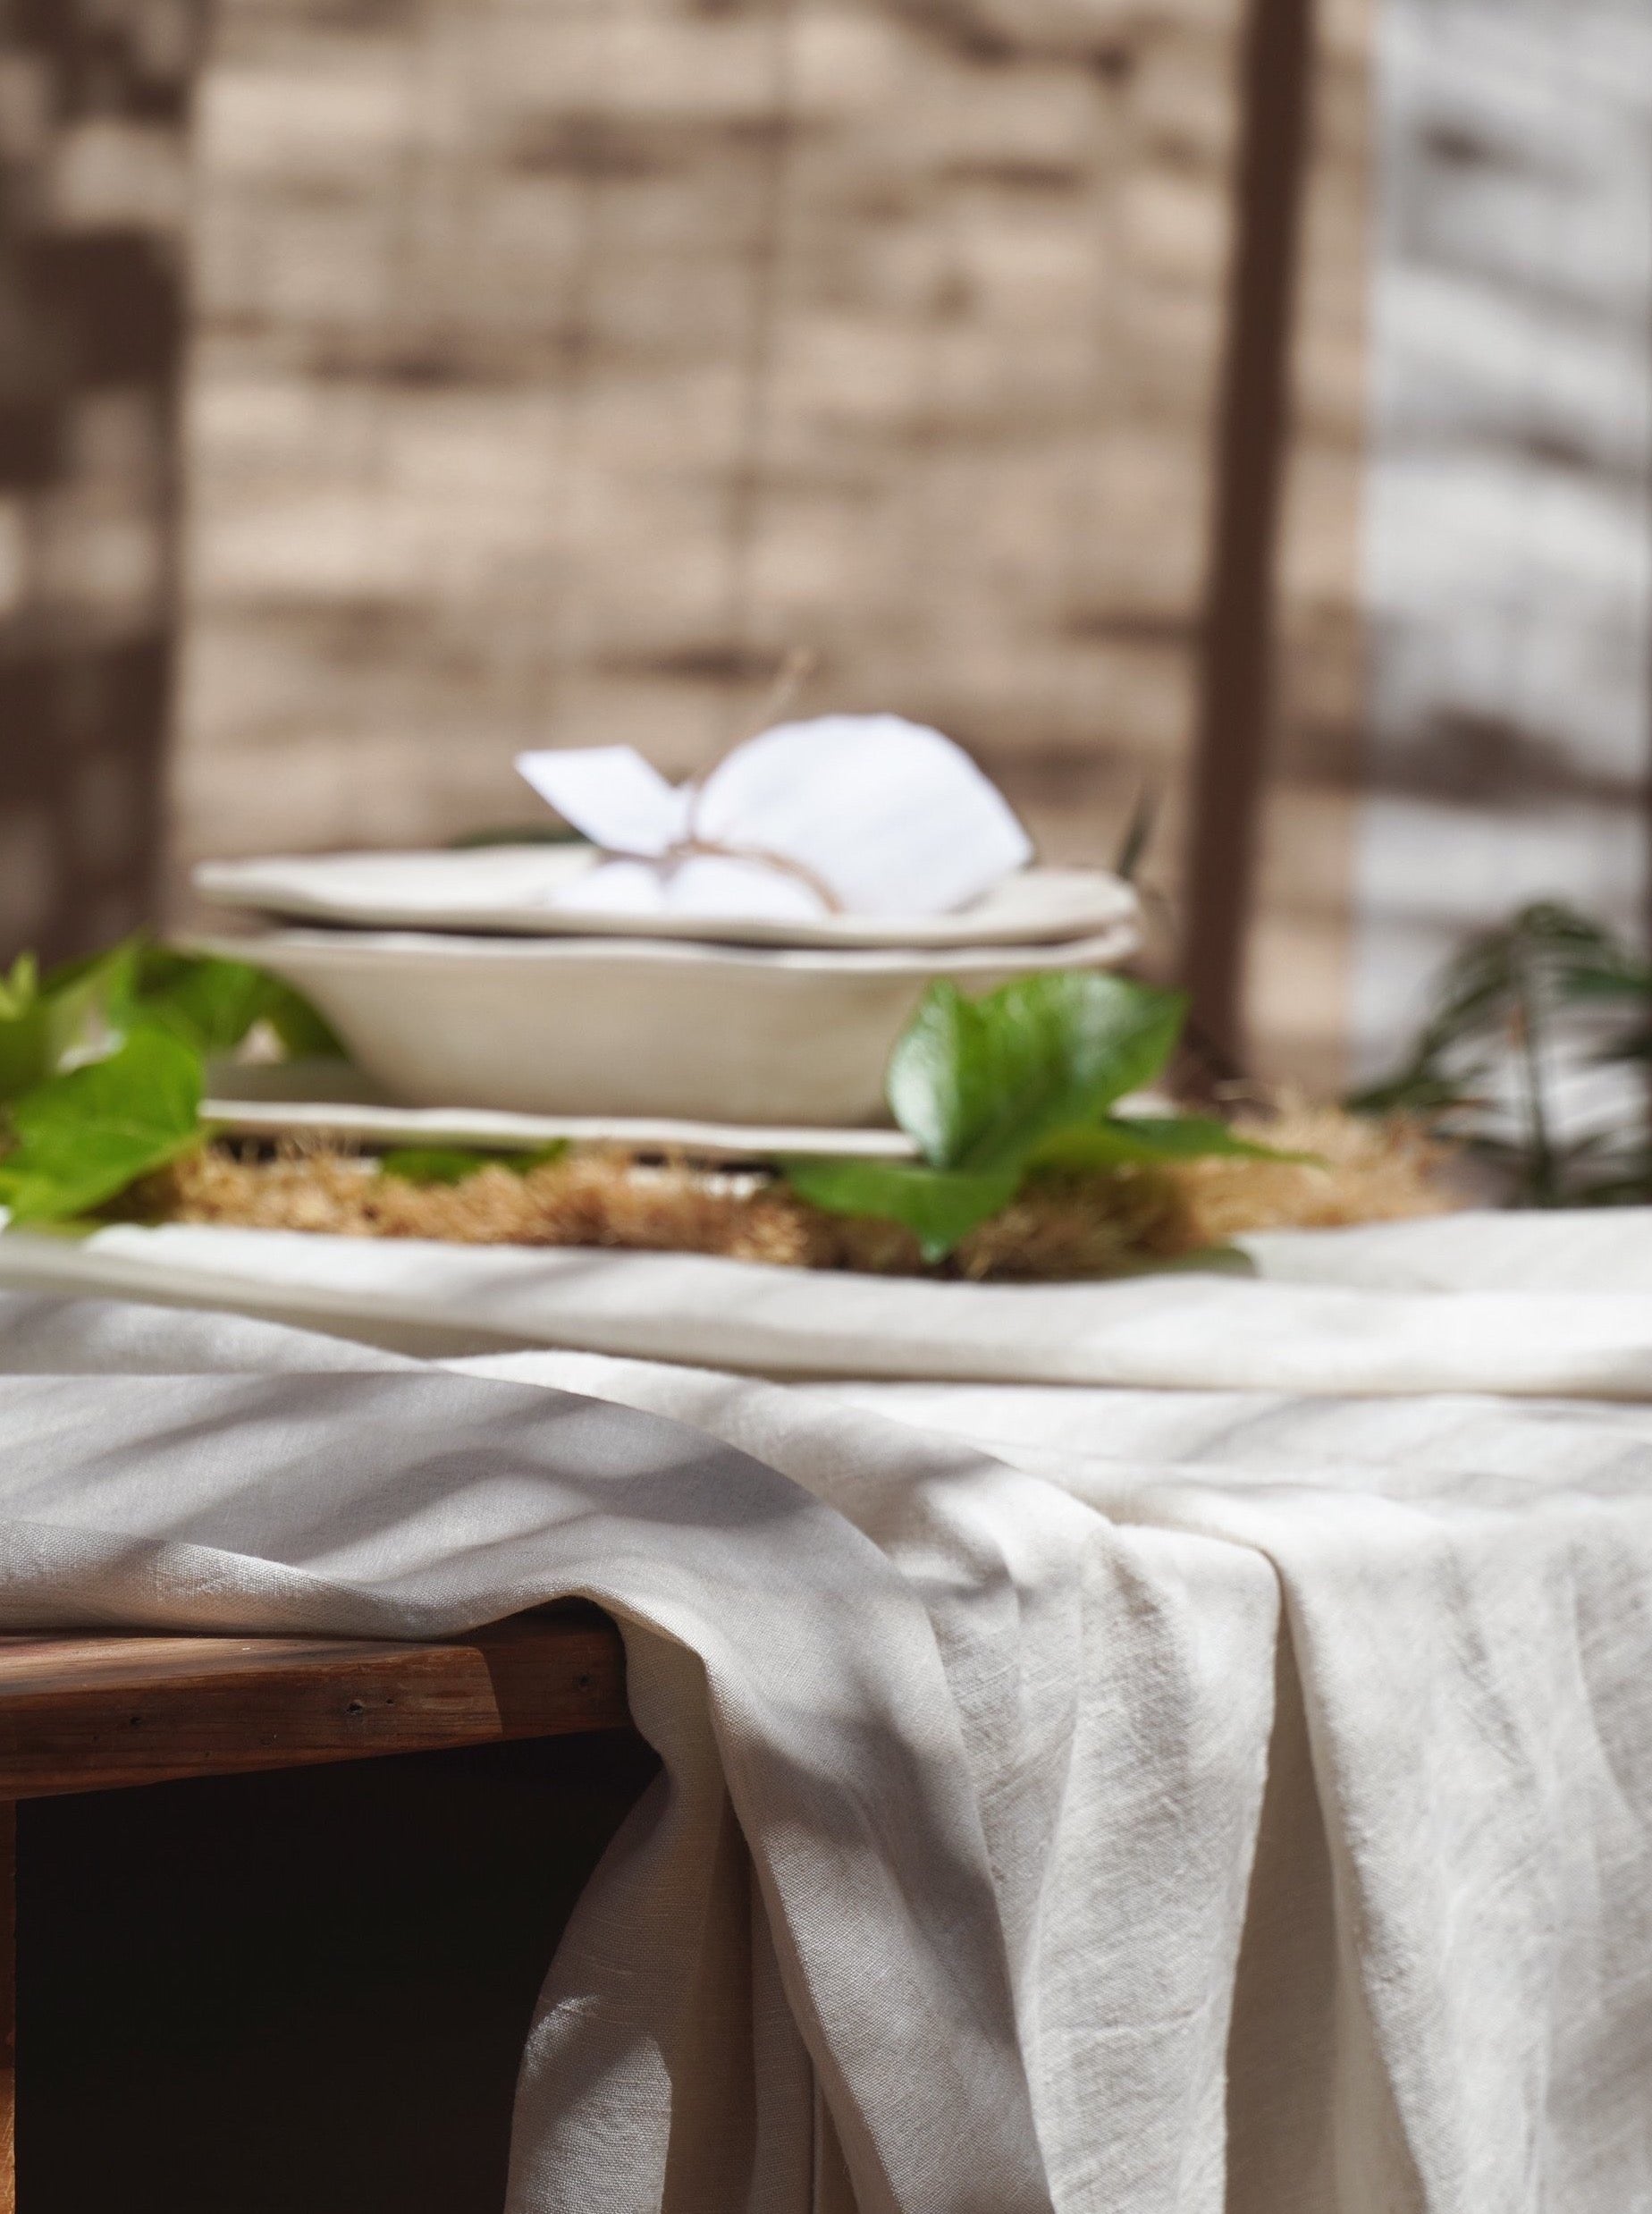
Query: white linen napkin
855,814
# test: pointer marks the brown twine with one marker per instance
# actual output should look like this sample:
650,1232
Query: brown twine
798,665
695,848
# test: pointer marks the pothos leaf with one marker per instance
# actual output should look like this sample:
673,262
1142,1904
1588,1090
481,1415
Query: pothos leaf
24,1029
940,1206
1022,1077
21,989
304,1033
46,1022
212,1003
101,1066
84,1137
453,1164
1120,1140
980,1084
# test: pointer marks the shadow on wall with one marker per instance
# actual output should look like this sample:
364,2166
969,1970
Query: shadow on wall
93,109
556,371
1510,511
559,369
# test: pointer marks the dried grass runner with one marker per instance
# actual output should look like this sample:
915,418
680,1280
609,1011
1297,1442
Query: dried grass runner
1067,1225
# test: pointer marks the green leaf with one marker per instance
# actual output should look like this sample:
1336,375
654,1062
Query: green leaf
1630,981
980,1084
24,1029
453,1164
535,1157
42,1021
84,998
1138,832
1503,986
986,1086
1510,1012
1421,1089
1118,1140
939,1206
430,1164
942,1205
19,990
84,1137
212,1003
304,1033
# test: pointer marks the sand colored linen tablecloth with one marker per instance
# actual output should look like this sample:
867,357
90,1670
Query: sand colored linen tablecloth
1084,1785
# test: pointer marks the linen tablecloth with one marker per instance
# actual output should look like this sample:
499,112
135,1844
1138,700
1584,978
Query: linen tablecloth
1176,1745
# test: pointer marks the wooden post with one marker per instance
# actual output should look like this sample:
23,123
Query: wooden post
1236,673
96,301
8,2006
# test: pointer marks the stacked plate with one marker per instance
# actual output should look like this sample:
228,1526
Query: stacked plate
467,994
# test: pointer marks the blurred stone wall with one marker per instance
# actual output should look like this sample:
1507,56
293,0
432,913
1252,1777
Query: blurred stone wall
1509,578
560,364
555,365
93,97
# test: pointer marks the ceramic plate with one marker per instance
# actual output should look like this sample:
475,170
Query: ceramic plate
510,889
321,1099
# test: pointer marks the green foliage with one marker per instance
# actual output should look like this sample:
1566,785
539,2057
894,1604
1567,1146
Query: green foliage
1118,1140
453,1164
301,1031
995,1089
46,1023
80,1138
940,1206
1508,1011
102,1067
19,990
980,1084
25,1053
211,1004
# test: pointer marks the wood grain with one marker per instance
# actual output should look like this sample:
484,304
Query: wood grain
1237,674
97,1713
1298,945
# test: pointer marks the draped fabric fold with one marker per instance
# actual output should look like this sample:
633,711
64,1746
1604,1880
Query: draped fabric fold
1119,1794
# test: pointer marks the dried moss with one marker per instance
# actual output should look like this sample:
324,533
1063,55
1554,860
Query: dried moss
1386,1168
1068,1225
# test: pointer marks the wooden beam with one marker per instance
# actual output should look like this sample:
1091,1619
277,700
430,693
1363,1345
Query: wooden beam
1299,930
98,1713
1235,689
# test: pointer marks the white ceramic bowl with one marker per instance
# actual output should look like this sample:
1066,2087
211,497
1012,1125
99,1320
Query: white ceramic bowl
633,1027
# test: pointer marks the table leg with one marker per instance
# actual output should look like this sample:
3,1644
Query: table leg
8,2006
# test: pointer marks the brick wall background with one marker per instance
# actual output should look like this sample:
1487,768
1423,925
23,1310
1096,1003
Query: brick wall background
559,366
542,370
551,368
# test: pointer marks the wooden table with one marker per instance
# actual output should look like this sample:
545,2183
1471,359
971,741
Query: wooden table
94,1714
